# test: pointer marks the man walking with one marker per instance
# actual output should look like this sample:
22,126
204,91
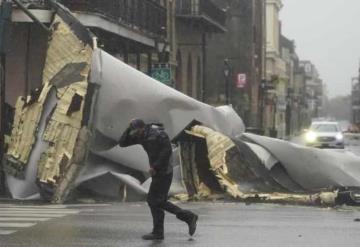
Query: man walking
157,145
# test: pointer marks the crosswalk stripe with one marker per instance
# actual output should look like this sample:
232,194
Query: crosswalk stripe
35,206
7,232
16,217
15,225
23,219
33,215
24,211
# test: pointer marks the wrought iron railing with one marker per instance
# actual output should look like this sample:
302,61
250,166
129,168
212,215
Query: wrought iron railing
201,7
35,3
144,15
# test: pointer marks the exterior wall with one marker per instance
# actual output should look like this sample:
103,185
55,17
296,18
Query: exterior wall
355,101
242,45
24,63
275,70
314,88
25,60
188,53
259,16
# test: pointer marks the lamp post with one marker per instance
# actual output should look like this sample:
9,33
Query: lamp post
289,106
161,71
262,96
161,45
227,73
275,101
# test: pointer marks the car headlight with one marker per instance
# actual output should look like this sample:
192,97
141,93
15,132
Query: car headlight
311,136
339,137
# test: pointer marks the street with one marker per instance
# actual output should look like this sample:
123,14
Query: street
221,224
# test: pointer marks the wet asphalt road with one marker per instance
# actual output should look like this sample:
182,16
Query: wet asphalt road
221,224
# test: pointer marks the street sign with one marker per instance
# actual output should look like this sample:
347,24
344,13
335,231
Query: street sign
162,73
241,80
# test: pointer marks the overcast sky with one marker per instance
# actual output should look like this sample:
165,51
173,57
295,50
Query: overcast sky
327,33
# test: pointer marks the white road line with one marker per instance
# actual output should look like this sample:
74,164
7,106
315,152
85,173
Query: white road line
15,225
20,211
87,205
37,212
34,206
23,219
16,217
33,215
7,232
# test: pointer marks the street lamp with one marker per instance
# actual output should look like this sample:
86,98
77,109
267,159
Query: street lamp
227,73
161,45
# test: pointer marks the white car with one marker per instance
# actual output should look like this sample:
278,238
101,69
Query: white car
325,135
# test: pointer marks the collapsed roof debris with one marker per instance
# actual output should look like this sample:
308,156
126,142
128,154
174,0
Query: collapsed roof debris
48,122
42,158
65,136
214,162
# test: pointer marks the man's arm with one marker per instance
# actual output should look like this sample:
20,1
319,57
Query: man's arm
165,151
127,140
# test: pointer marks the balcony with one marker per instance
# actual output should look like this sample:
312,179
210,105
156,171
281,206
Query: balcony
139,20
205,12
145,16
35,4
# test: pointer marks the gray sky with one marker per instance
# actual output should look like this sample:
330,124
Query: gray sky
327,33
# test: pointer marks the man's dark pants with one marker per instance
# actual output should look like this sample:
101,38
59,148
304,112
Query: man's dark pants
158,202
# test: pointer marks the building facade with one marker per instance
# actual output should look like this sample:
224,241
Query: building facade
355,100
275,108
236,59
314,89
128,29
195,21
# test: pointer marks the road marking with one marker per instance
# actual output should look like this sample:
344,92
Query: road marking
7,232
23,219
25,211
16,217
33,215
15,225
35,206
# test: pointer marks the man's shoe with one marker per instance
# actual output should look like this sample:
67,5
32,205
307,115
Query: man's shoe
153,236
192,224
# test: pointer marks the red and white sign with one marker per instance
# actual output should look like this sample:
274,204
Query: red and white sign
241,80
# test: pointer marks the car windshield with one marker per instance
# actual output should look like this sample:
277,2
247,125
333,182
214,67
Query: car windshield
325,128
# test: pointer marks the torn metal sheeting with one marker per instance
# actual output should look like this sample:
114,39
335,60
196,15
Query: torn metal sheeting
125,93
313,169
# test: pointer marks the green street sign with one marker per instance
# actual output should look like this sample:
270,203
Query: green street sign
162,73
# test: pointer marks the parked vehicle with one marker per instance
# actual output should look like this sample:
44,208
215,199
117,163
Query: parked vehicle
325,135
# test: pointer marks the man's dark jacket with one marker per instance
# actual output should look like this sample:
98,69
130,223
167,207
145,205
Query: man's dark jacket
157,145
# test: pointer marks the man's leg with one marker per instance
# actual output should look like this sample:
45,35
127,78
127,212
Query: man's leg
154,200
158,216
184,215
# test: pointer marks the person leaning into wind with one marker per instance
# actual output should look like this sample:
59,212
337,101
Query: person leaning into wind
157,145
